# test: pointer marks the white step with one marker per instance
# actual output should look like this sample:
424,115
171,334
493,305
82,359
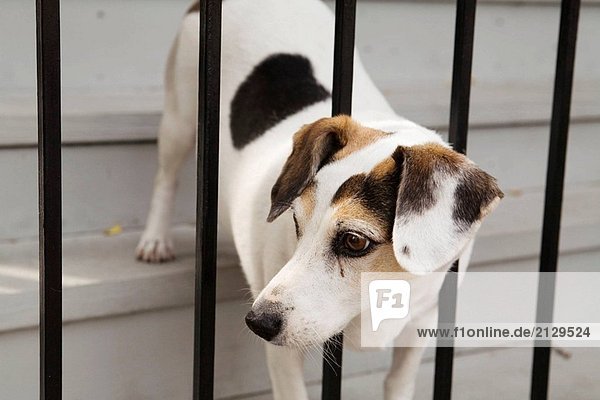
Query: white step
108,185
102,278
103,267
143,350
105,118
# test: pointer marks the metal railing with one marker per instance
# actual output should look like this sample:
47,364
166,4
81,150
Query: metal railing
555,177
341,103
50,197
207,197
50,201
464,33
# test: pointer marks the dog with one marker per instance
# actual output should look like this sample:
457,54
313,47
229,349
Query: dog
374,192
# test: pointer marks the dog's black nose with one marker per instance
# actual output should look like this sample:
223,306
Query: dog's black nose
267,325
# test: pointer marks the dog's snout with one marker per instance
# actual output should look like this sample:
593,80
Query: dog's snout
265,325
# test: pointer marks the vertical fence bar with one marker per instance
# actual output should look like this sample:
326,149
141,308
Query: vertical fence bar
444,353
458,128
559,130
50,197
343,57
341,103
207,197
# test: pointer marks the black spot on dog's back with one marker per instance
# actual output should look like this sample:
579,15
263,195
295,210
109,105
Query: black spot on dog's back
281,85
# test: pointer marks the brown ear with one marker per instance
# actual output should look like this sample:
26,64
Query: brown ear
442,199
314,146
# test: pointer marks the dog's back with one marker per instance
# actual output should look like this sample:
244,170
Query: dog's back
277,66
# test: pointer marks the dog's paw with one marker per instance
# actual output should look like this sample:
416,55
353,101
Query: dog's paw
155,249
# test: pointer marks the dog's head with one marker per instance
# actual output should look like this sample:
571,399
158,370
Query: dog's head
363,200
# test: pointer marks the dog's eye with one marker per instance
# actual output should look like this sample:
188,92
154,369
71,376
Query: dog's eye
354,243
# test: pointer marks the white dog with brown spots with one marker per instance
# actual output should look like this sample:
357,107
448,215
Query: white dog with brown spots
375,192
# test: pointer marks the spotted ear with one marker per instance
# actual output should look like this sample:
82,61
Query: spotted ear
442,199
314,146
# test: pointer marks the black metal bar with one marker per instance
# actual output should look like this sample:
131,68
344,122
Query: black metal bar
333,351
461,74
457,132
559,130
444,353
341,103
343,57
50,197
207,198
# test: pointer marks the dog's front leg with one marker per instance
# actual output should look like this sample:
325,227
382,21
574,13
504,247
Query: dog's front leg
408,352
286,371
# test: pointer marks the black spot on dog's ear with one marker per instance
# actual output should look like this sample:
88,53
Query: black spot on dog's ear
419,164
474,193
280,86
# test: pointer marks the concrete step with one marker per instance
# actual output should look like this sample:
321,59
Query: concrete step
142,349
102,278
506,375
133,118
112,184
